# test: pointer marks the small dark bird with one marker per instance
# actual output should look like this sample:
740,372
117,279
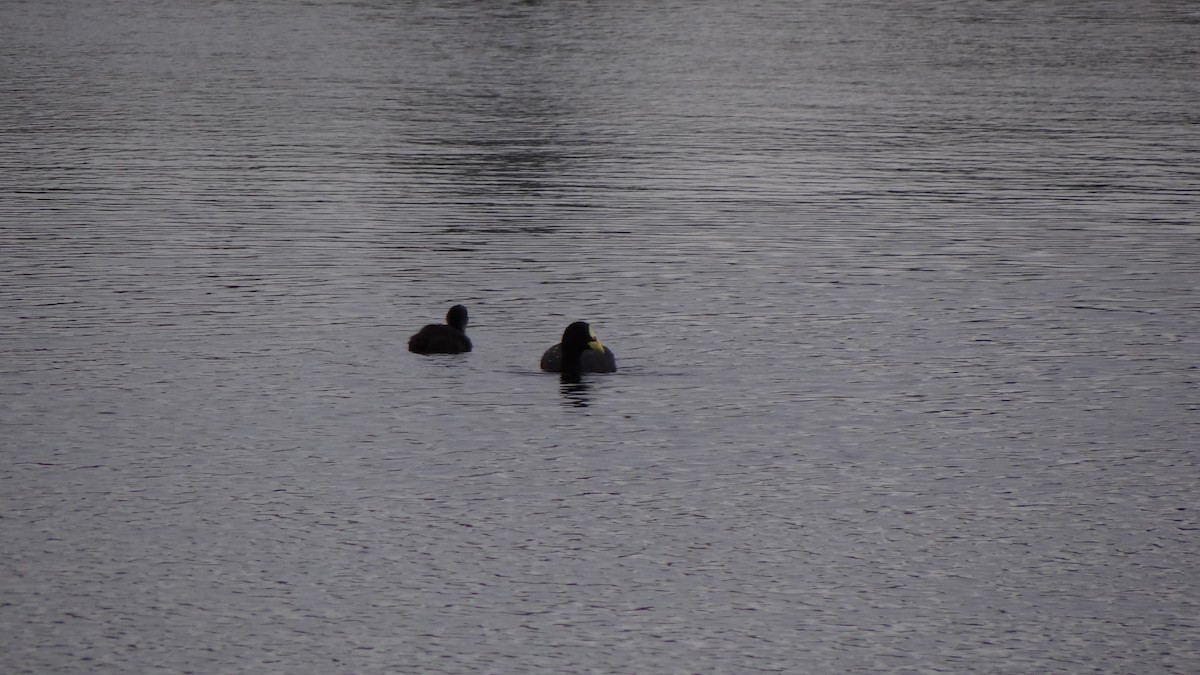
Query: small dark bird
579,352
448,338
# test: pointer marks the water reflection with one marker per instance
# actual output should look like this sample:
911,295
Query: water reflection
575,391
506,145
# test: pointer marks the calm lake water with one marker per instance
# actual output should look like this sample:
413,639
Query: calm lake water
903,295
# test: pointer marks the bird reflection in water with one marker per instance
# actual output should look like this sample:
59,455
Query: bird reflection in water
575,391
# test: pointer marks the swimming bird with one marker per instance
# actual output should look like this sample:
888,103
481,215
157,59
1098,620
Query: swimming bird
448,338
579,352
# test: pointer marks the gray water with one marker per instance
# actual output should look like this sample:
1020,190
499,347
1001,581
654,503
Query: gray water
903,297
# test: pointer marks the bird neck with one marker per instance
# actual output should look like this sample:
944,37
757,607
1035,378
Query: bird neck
572,359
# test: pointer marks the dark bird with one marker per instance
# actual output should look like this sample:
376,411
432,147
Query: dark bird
443,338
579,352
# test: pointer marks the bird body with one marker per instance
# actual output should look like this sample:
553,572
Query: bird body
579,352
448,338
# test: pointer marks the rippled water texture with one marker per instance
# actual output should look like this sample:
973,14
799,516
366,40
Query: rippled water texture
903,297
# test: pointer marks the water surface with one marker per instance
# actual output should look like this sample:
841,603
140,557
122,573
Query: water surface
903,299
